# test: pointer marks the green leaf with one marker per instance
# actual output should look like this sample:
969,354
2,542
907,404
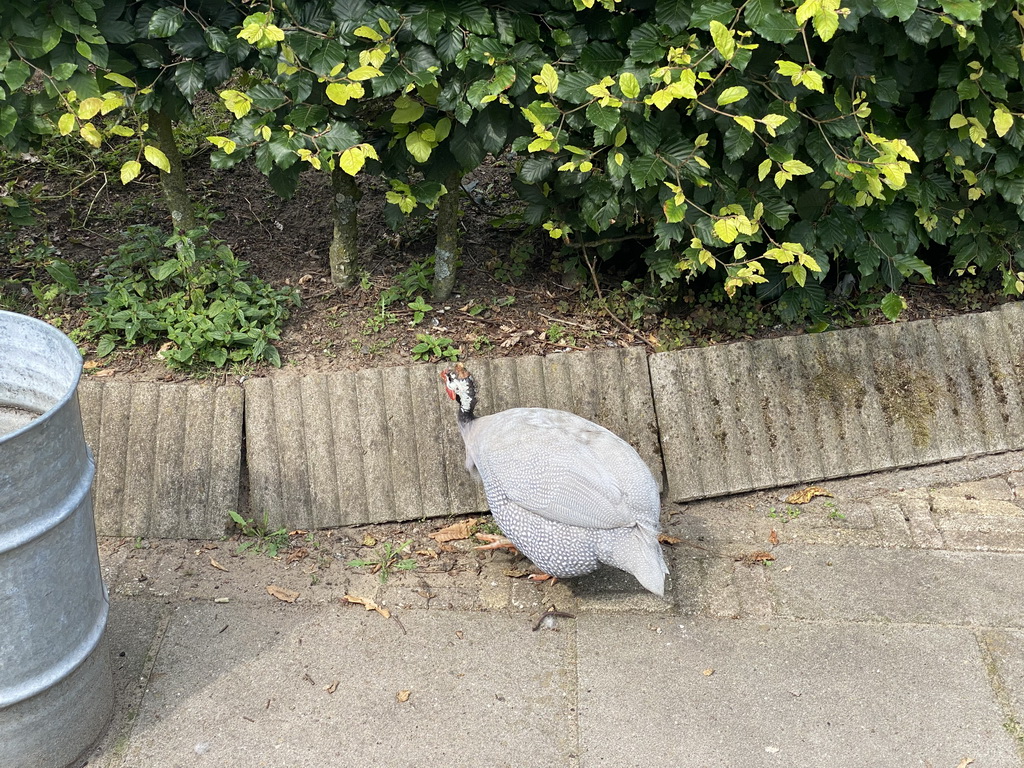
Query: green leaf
647,171
722,10
166,21
407,110
190,76
675,14
16,74
768,20
603,117
629,85
892,305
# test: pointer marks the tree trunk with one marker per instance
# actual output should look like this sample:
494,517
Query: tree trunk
447,248
344,251
173,183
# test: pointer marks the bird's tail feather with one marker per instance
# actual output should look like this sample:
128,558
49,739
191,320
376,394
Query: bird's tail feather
639,553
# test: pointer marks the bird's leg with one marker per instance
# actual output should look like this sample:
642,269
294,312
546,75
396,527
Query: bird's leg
496,542
500,542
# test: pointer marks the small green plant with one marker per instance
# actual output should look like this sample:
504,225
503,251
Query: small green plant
429,347
192,291
417,278
786,514
482,344
388,558
262,539
419,309
833,511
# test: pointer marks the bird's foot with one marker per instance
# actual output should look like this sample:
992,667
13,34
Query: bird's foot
496,542
542,577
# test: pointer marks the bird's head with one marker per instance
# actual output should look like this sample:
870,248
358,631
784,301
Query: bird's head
459,384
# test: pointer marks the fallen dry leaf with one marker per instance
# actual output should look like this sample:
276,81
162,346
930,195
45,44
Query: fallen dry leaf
512,573
756,558
459,634
282,594
965,762
427,553
708,672
460,530
403,696
105,372
88,365
332,687
297,554
802,497
368,604
664,538
217,565
369,541
773,537
297,533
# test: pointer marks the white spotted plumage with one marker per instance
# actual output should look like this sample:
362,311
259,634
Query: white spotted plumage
567,492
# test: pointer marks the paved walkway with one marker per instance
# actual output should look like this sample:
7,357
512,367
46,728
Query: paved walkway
882,626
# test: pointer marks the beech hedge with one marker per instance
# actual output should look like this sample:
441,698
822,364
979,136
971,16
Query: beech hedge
797,149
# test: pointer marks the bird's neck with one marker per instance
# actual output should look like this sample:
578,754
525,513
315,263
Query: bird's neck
465,412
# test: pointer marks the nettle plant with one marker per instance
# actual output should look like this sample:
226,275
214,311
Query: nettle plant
777,146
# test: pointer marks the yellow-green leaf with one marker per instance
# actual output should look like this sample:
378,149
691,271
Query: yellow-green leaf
66,124
725,230
547,80
789,68
340,93
407,110
352,160
957,121
237,103
89,108
764,169
733,94
156,157
629,84
122,130
222,142
418,146
369,33
796,167
130,171
723,39
812,81
121,80
1002,120
364,73
91,135
746,121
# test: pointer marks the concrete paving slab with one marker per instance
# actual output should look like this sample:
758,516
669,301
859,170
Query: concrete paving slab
912,585
1003,652
719,694
761,414
282,685
168,457
382,444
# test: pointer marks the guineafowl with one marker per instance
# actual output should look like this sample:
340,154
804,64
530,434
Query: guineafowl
567,493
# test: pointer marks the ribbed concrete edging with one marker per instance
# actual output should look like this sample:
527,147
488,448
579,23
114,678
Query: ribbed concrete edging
805,408
168,456
381,444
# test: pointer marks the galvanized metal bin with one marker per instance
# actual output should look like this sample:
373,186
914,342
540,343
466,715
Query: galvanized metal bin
56,690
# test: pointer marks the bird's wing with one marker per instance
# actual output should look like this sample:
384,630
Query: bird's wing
562,467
